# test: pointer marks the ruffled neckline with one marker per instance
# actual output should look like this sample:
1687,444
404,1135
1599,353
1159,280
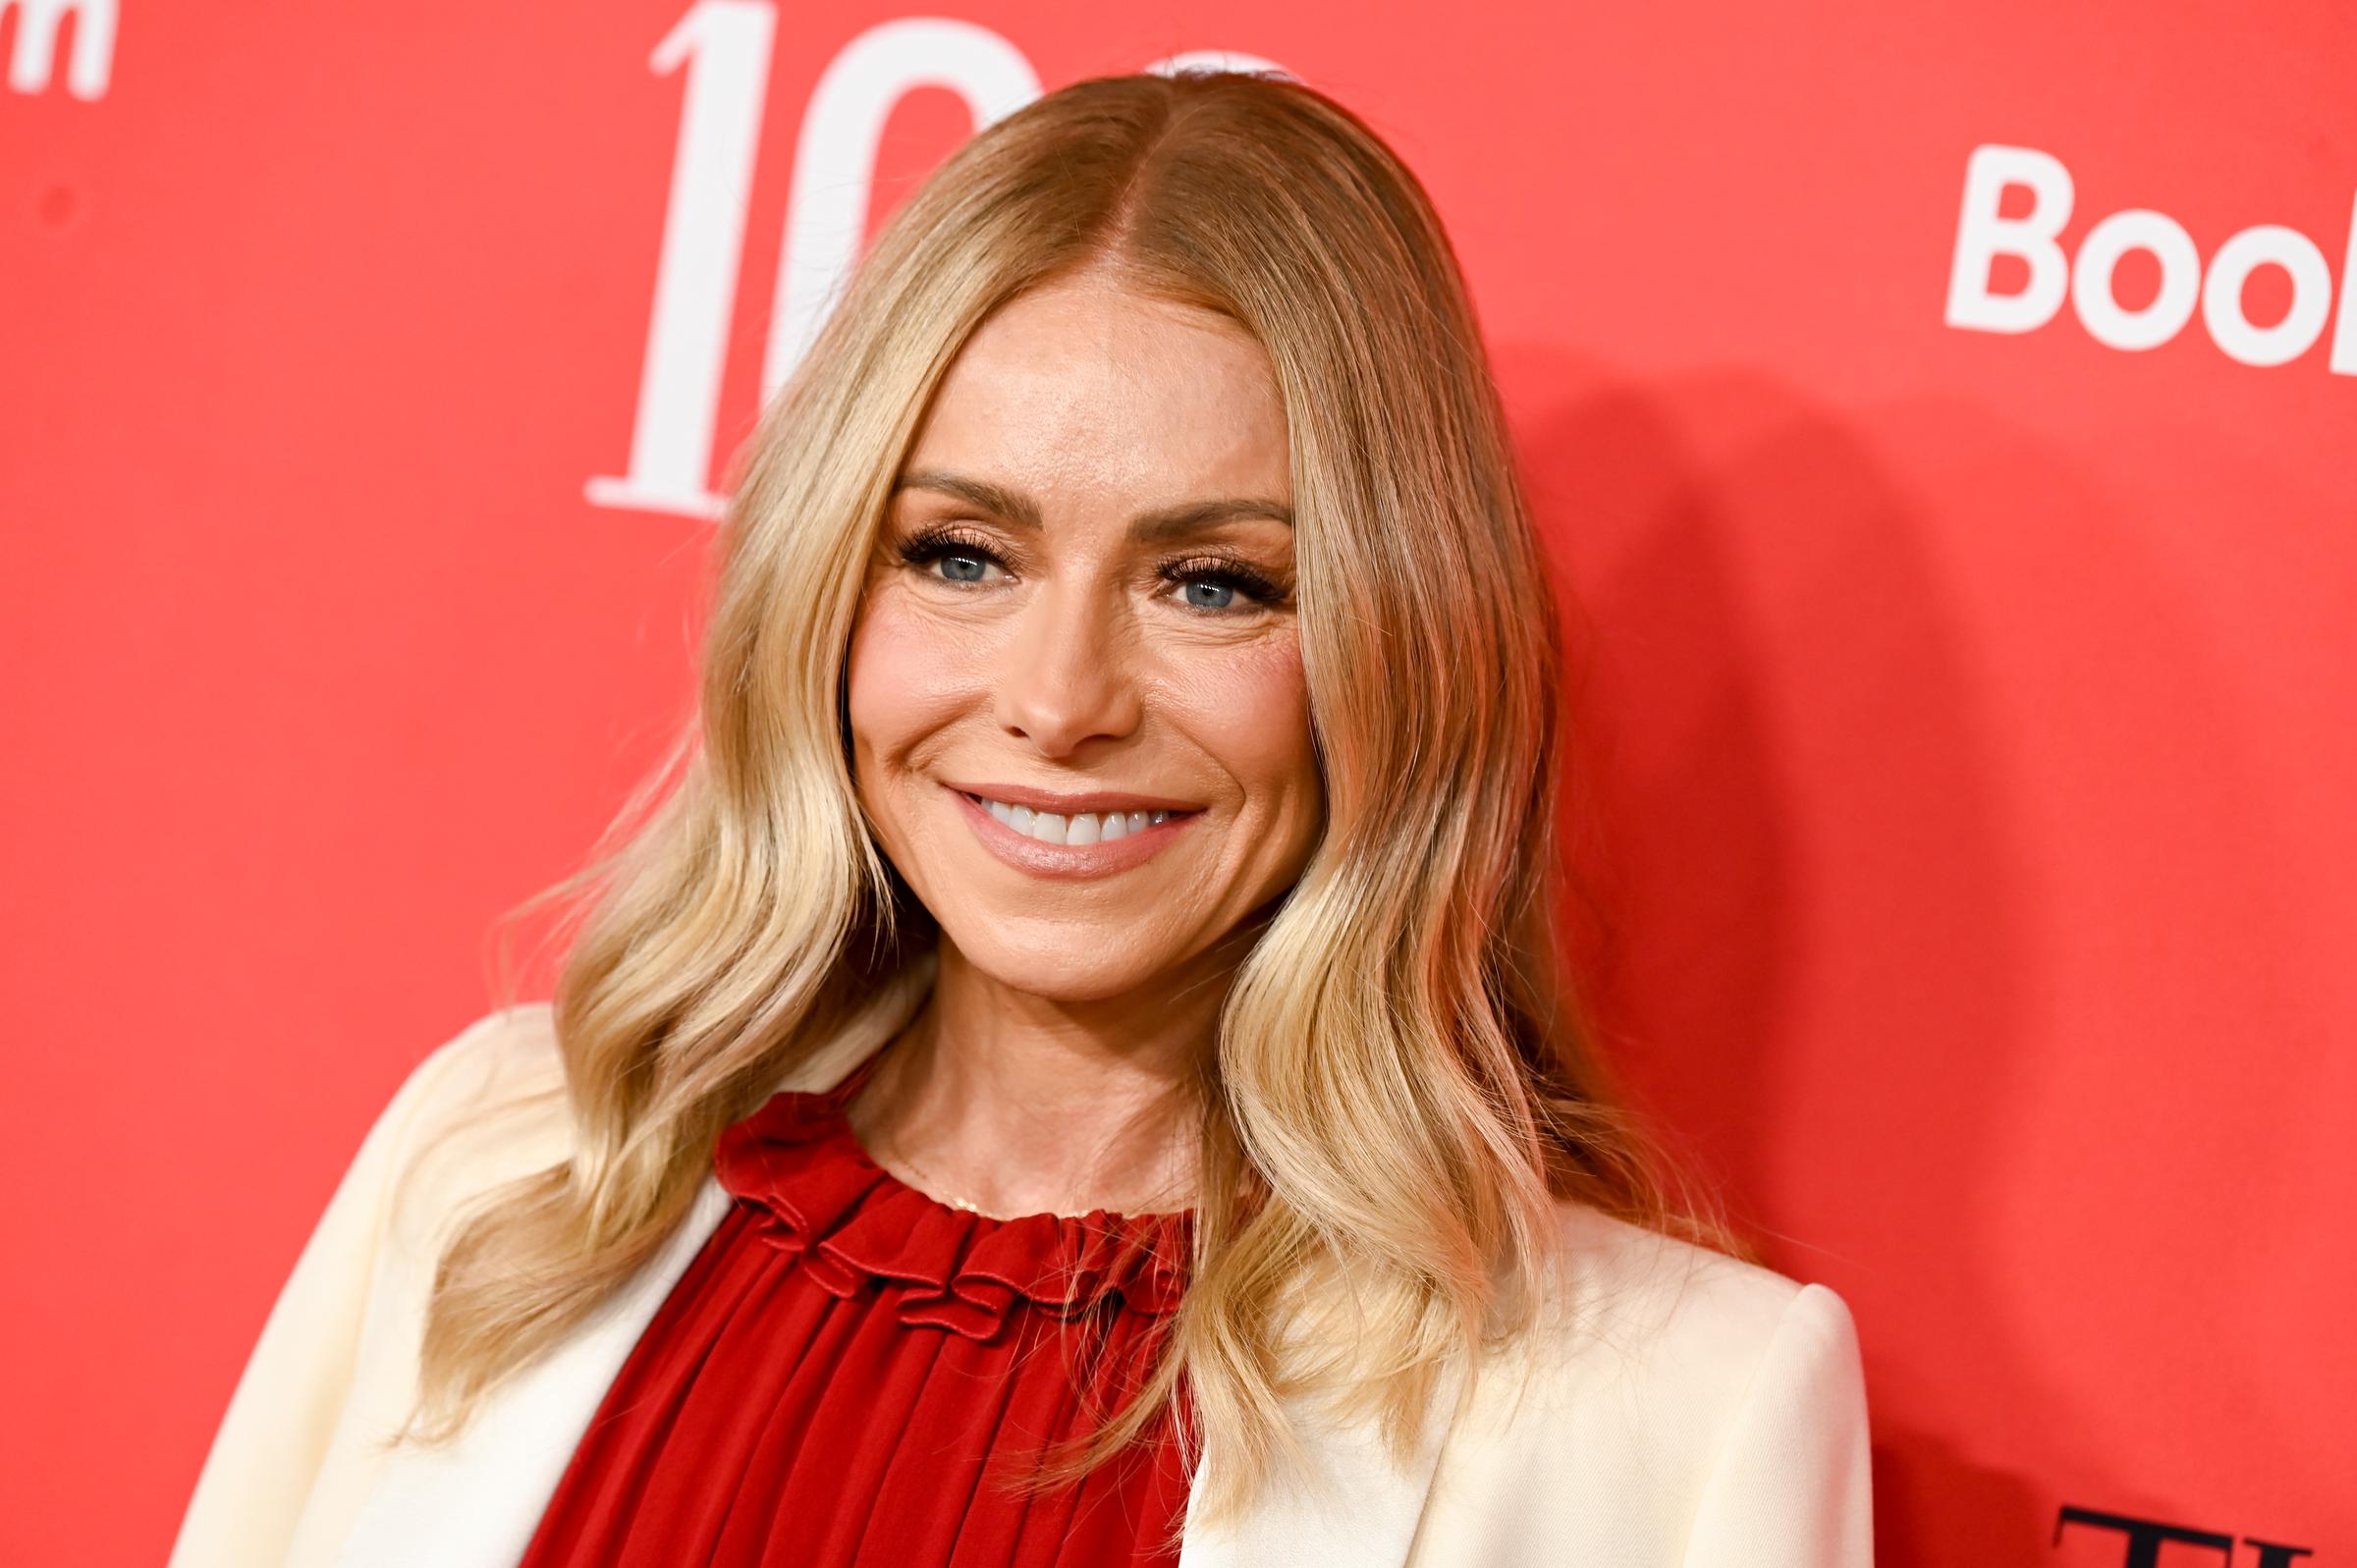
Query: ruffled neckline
817,1195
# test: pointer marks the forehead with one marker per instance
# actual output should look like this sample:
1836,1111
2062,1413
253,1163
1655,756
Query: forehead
1086,386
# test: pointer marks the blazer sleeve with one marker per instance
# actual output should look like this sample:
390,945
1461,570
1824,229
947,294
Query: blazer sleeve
250,1493
1790,1488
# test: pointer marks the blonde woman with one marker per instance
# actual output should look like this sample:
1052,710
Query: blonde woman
1072,1065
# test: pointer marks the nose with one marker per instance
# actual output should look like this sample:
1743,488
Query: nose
1067,677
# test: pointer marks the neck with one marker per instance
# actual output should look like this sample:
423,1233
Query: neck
1018,1104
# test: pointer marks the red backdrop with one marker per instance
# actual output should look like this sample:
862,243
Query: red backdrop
1971,572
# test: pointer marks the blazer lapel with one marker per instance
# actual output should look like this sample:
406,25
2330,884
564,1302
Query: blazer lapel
1348,1506
476,1503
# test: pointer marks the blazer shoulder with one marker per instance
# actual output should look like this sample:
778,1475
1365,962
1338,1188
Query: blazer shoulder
336,1353
1691,1406
505,1052
1669,1327
1611,1271
489,1105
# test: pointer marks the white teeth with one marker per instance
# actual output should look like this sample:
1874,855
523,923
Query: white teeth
1081,827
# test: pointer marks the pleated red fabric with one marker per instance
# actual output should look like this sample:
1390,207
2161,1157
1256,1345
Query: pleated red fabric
849,1364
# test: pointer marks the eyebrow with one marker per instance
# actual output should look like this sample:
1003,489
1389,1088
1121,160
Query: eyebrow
1147,527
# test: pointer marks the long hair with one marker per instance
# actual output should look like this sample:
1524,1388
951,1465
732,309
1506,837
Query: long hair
1405,1086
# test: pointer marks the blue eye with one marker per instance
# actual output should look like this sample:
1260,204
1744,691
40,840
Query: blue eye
966,560
1213,585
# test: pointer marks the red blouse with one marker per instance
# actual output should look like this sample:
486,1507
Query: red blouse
849,1363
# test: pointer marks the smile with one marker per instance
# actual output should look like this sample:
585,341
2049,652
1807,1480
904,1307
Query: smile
1078,828
1080,843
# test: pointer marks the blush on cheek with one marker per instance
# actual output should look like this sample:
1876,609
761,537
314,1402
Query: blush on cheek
903,696
903,682
1254,707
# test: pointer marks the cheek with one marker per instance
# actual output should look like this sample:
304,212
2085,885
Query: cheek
903,682
1252,712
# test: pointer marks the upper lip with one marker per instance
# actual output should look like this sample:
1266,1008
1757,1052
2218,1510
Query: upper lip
1096,801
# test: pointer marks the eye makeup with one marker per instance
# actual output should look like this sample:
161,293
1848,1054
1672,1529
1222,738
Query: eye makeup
937,542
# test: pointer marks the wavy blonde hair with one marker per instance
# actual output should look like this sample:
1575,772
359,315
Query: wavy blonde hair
1404,1087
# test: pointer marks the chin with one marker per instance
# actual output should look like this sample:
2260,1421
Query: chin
1049,969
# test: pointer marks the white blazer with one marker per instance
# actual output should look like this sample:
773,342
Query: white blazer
1693,1410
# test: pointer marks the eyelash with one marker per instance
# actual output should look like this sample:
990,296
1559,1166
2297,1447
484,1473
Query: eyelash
930,545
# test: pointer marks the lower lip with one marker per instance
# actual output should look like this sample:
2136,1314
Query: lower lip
1026,854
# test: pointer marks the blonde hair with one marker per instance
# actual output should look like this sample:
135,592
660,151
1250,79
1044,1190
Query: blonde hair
1403,1088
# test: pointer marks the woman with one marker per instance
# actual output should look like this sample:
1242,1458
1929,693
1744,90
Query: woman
1079,1069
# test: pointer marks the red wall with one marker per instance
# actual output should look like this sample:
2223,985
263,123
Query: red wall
1971,707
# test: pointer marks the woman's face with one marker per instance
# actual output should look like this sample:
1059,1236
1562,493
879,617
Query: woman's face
1081,603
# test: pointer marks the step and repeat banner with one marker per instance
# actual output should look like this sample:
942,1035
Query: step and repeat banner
1947,415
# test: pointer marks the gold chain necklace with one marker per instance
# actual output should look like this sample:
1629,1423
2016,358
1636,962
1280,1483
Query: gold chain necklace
934,1189
926,1176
